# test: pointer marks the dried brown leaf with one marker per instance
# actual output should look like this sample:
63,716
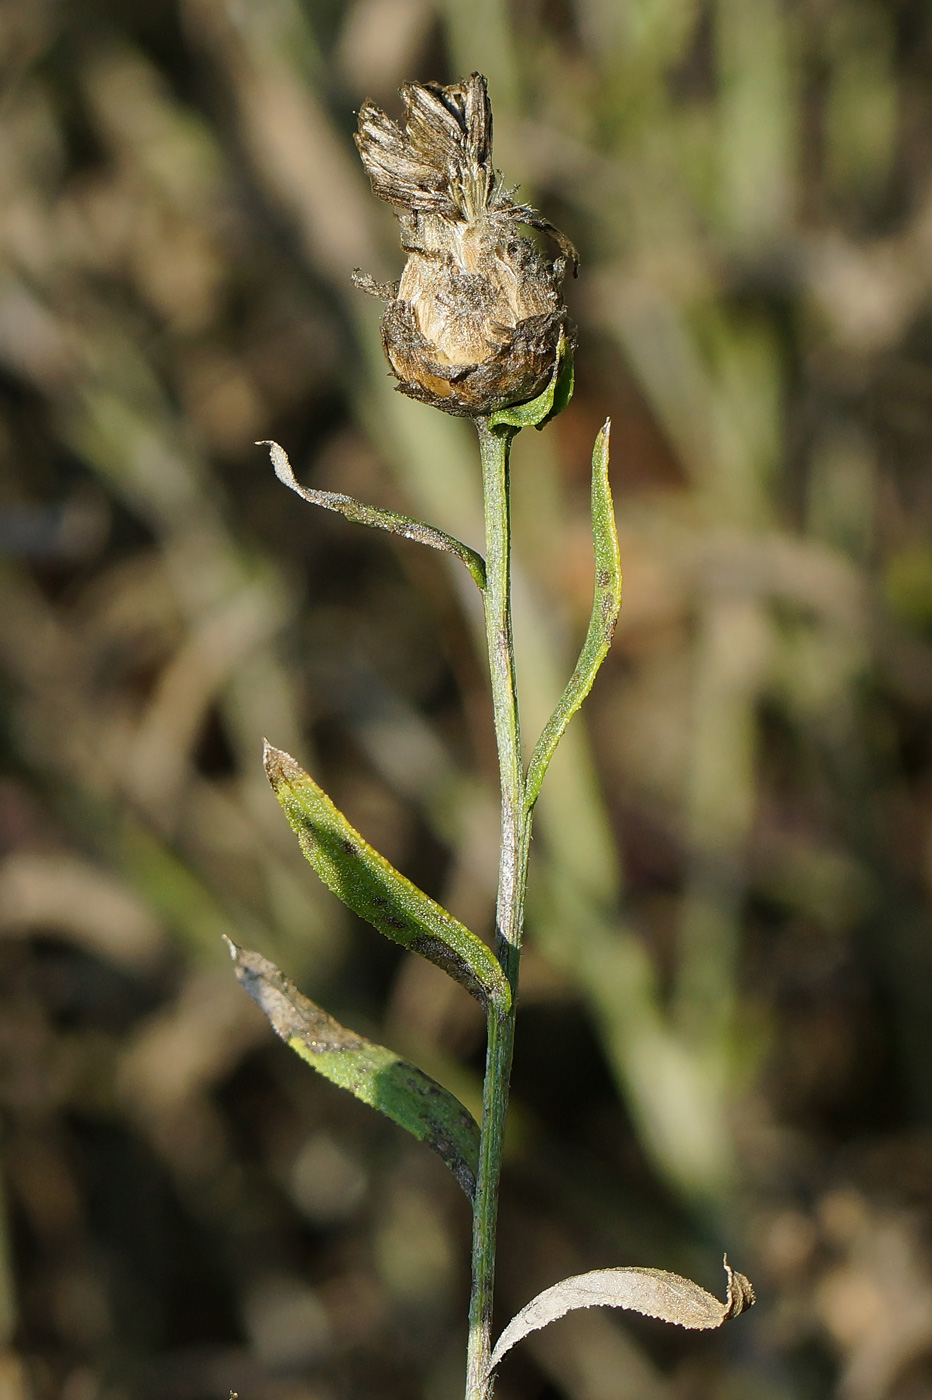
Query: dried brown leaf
653,1292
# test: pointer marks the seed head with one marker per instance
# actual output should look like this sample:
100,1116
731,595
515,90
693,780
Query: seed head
475,322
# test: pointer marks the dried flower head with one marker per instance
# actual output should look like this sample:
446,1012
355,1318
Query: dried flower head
475,322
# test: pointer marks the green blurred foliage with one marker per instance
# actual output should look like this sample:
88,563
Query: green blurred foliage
725,1031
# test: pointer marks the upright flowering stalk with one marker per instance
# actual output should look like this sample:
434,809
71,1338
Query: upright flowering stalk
477,327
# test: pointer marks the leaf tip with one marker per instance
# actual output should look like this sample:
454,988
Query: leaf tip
279,766
740,1293
280,462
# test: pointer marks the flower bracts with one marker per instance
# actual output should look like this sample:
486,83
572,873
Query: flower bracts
475,323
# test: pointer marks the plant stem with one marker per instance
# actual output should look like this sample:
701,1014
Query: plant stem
495,450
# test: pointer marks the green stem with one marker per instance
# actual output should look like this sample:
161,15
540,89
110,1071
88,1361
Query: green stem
495,450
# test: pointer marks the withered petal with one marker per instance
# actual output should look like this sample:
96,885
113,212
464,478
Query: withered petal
478,112
397,172
450,121
434,131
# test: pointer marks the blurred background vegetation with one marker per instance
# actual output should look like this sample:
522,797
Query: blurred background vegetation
726,1027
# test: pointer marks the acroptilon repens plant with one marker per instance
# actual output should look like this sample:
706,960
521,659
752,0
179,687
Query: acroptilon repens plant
476,327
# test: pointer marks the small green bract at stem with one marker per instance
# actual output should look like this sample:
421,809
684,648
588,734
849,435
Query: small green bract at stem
538,412
606,603
370,1072
374,889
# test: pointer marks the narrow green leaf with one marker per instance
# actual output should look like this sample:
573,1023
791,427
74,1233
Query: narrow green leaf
373,1074
536,413
374,889
606,603
363,514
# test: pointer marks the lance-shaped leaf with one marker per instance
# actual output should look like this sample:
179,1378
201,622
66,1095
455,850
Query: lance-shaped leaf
373,1074
364,514
537,413
606,604
653,1292
374,889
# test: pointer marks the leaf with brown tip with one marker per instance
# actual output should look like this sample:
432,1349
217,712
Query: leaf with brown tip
372,1073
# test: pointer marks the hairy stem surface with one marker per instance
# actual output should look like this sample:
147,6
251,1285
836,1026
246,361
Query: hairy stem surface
495,449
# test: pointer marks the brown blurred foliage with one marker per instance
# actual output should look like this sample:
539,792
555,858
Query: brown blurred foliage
726,1026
